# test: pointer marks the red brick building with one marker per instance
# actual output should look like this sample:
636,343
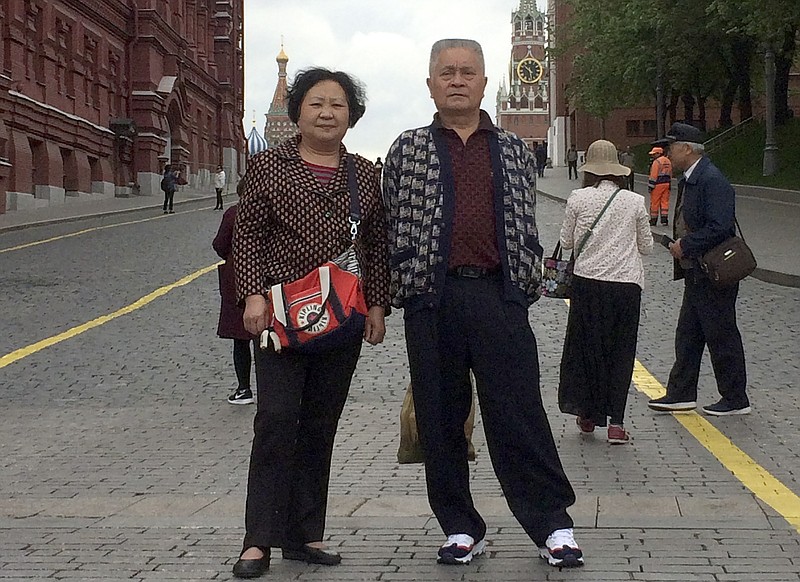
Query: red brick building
96,96
523,107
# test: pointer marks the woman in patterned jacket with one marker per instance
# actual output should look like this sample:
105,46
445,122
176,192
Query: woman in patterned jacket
600,347
292,218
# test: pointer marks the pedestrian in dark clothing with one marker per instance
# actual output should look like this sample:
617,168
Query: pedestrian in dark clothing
231,324
704,217
627,159
460,196
541,159
572,162
169,182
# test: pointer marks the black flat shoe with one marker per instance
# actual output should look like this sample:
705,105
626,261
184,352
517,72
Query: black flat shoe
251,568
312,555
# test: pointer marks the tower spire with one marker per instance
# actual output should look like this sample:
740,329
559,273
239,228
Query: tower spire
279,126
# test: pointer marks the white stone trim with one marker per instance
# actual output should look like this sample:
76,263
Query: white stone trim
20,201
146,94
166,84
55,195
154,135
56,110
149,184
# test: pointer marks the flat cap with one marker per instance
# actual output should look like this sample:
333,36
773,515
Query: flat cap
684,132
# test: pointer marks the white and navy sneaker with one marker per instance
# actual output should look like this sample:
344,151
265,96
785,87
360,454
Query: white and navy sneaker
460,549
725,408
241,396
561,550
670,404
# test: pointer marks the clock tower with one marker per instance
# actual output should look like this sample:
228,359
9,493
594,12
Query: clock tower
523,107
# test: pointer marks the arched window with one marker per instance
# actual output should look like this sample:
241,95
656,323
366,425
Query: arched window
523,102
538,103
512,102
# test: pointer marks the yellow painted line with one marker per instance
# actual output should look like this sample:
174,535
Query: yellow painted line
21,353
84,231
752,475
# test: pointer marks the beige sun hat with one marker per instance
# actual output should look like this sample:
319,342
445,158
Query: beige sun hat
601,160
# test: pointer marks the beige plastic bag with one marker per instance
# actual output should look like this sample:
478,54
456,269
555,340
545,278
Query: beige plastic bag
410,450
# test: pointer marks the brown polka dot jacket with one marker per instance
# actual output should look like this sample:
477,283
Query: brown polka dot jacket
420,199
289,223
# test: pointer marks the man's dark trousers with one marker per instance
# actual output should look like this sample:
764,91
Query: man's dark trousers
708,317
474,328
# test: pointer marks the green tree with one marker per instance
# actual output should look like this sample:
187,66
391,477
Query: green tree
773,24
633,51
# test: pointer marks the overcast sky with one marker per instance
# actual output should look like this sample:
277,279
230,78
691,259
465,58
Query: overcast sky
385,43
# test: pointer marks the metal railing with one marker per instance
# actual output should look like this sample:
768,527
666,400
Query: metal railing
727,135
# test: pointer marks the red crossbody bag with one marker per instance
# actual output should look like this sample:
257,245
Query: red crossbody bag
326,308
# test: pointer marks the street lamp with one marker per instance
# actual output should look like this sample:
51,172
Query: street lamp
770,167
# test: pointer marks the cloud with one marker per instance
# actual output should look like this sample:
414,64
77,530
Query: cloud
385,44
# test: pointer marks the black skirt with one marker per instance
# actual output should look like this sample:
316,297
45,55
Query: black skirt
599,349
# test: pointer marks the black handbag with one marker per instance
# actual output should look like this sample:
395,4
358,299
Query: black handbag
729,262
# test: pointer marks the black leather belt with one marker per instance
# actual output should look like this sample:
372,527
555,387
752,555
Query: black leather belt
470,272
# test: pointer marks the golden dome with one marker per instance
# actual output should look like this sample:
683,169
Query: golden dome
282,58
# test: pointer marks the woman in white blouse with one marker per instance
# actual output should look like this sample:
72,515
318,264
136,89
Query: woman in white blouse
600,345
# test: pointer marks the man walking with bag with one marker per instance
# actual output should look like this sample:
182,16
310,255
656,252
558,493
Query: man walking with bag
466,263
704,217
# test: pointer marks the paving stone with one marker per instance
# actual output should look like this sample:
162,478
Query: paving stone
120,454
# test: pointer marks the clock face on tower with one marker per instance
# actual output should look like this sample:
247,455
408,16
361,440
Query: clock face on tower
529,70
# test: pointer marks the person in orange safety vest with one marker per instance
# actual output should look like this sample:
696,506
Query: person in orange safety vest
658,186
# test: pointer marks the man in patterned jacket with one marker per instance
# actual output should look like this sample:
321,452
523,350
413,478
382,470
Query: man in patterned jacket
460,195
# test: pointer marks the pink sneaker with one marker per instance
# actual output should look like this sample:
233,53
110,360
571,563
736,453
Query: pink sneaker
586,425
617,435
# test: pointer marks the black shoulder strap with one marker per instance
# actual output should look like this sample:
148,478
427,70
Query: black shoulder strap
355,205
736,223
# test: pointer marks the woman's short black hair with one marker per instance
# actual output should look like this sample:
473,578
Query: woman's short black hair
593,180
307,78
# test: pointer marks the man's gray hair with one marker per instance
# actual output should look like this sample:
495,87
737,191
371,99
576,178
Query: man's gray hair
697,148
448,43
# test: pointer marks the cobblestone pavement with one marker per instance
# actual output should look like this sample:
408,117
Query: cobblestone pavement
121,460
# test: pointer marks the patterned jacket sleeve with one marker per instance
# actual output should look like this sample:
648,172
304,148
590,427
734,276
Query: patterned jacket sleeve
249,234
376,253
529,166
390,188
